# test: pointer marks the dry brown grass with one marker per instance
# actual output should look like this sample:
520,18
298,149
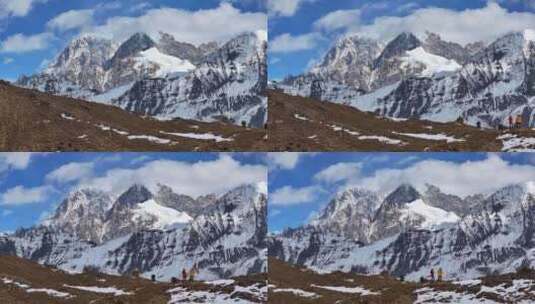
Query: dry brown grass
31,121
287,133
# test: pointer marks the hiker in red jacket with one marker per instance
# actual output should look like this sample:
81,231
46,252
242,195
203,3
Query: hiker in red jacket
510,122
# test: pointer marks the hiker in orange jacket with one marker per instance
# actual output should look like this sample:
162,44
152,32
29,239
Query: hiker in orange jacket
440,274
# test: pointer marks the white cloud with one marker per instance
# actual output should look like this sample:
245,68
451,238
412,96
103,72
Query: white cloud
73,19
17,161
289,195
465,26
21,195
17,8
285,8
20,43
110,5
71,172
217,24
460,179
274,212
140,7
286,43
8,60
341,19
285,160
140,159
192,179
339,172
7,212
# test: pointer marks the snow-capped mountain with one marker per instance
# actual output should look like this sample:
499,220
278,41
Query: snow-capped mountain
225,238
427,78
229,84
494,235
166,79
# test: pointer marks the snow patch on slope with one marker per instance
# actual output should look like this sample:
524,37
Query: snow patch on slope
168,64
433,63
165,217
432,216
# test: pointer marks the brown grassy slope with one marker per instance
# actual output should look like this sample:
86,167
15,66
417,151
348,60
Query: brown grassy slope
32,121
144,291
288,133
283,276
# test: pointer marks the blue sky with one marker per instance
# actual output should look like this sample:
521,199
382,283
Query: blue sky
300,185
301,31
29,38
32,185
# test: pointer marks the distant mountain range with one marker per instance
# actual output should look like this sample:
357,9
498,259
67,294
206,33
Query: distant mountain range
408,232
157,233
427,78
165,79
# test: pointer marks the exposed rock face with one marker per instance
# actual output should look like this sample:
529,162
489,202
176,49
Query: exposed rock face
436,198
494,235
167,197
83,213
137,43
350,213
168,45
451,50
434,79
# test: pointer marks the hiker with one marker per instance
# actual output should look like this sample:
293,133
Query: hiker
519,121
479,124
510,121
193,272
432,274
440,273
184,274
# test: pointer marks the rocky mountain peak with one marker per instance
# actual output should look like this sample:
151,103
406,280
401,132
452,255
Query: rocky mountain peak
349,213
434,44
168,45
362,200
166,197
398,46
82,213
83,202
352,50
136,194
136,43
404,194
